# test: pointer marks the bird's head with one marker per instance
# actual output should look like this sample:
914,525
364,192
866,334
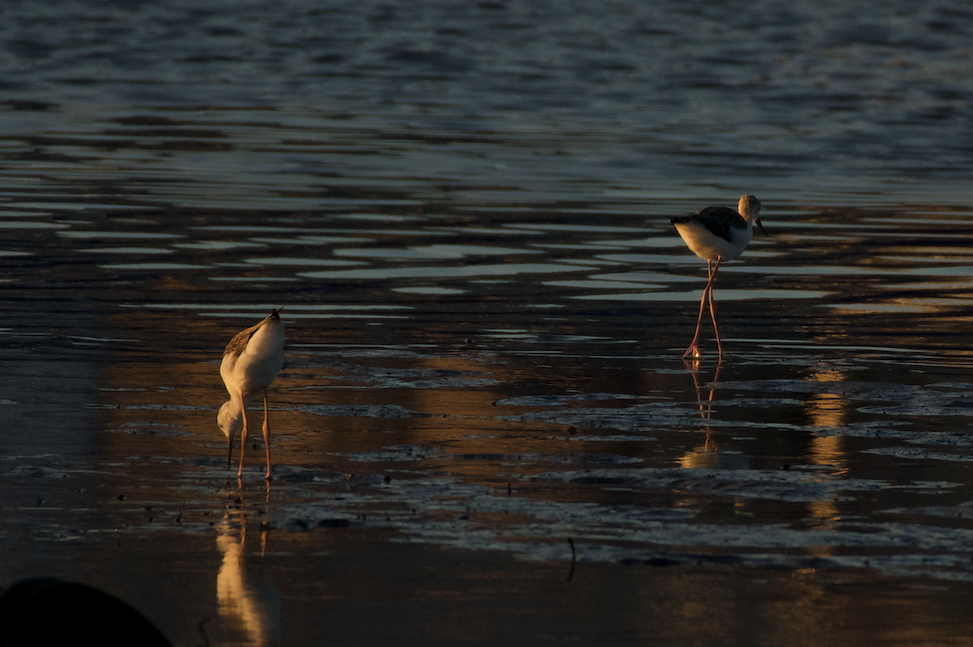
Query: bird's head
749,208
230,419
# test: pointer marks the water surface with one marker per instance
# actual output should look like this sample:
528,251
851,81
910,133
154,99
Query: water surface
484,431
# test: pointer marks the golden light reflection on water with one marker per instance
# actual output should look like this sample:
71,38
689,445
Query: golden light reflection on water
826,511
826,409
828,451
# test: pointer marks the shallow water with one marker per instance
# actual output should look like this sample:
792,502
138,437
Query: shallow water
484,431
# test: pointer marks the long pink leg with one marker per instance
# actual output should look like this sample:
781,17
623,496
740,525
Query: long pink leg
267,435
694,346
712,307
243,439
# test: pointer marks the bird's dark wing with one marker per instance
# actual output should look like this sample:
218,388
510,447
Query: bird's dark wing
242,338
239,342
718,220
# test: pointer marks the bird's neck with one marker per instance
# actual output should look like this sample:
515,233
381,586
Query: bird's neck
240,403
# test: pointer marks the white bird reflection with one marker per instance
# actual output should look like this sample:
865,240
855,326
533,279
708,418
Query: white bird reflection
707,455
247,598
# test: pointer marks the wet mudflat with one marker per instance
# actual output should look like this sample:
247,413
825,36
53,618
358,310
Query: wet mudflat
461,434
484,432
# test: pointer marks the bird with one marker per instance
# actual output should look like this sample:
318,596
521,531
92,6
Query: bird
717,234
251,361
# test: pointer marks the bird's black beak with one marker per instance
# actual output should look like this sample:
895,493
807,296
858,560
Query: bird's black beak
759,224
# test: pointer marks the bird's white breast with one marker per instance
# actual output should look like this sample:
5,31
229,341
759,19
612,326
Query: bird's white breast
707,245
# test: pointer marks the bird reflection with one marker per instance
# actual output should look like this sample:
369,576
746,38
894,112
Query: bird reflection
704,456
705,406
247,597
708,454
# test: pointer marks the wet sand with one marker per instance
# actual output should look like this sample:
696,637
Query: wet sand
371,591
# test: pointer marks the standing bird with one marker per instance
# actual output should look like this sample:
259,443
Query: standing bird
717,234
251,361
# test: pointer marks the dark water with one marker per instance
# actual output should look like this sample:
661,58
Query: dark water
484,432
